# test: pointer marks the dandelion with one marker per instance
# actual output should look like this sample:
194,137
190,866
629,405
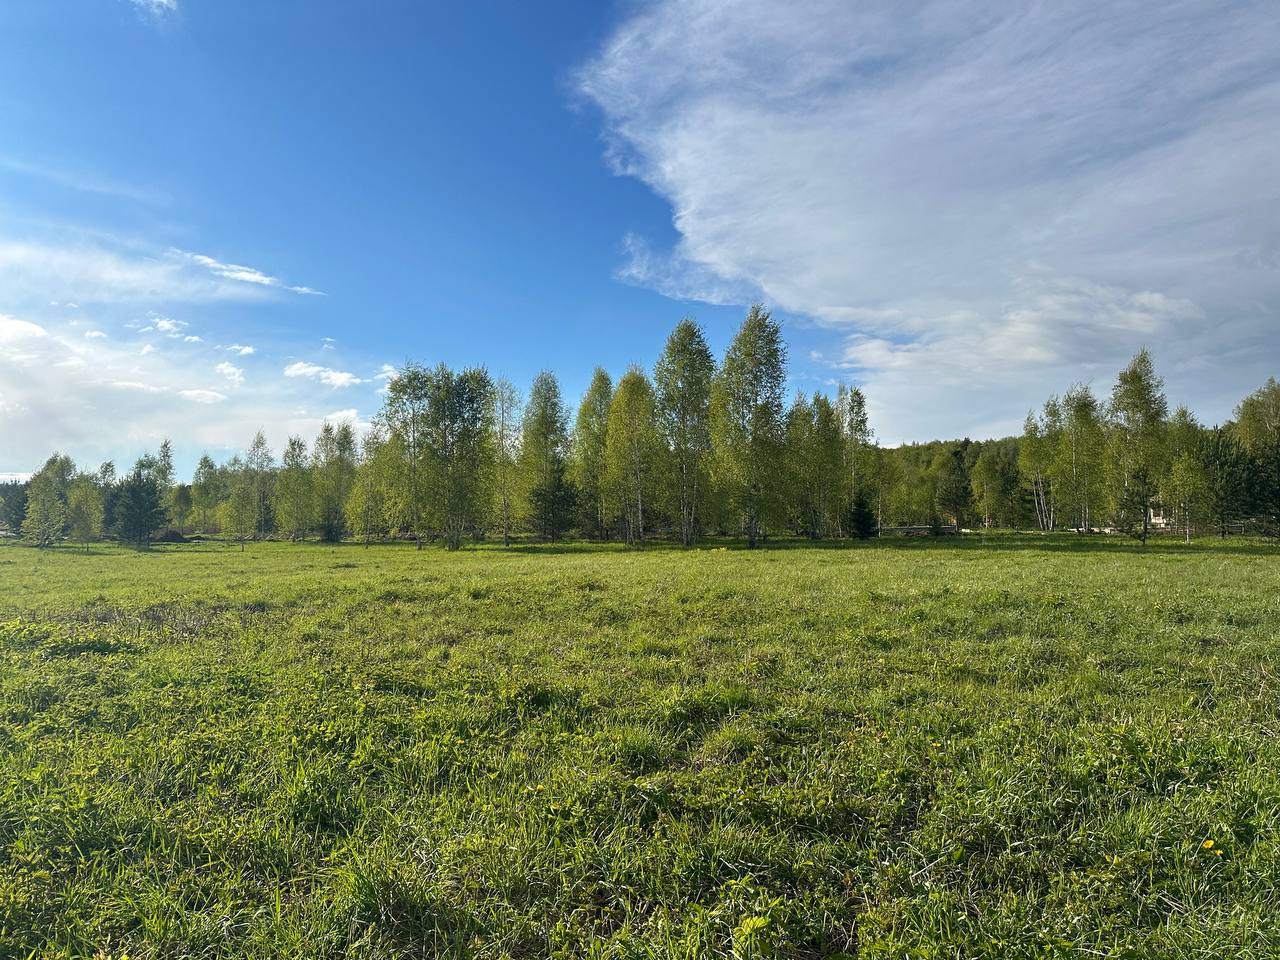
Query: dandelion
1207,845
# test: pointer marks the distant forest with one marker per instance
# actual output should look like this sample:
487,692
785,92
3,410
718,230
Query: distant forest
691,449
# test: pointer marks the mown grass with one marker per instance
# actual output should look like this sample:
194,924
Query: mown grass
1001,747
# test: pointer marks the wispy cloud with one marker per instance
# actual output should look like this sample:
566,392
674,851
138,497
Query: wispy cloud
241,274
977,203
88,269
155,8
238,348
80,181
325,375
202,396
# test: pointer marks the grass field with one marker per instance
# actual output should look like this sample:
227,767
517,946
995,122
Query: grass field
1004,747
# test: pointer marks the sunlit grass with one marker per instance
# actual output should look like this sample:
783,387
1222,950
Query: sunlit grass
1025,746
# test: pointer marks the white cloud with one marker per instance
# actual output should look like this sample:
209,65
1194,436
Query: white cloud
112,403
203,396
326,375
94,334
170,327
69,265
231,372
13,330
241,274
146,348
238,348
192,338
978,203
133,385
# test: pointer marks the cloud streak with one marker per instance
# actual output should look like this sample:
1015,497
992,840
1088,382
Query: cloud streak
325,375
971,204
241,274
87,270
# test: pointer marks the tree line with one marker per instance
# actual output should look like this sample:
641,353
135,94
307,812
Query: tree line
690,449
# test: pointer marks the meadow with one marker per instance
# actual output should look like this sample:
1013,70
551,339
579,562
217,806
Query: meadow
1016,746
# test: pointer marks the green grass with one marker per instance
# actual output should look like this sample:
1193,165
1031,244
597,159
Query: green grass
1015,746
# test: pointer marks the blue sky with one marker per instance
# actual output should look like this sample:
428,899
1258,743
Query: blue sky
962,207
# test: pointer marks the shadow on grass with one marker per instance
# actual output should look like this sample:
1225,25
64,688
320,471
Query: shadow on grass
1028,542
1049,543
1020,541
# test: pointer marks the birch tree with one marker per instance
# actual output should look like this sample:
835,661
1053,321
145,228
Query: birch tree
506,453
84,509
293,494
457,437
405,412
683,380
632,453
548,494
1135,451
587,453
333,466
748,433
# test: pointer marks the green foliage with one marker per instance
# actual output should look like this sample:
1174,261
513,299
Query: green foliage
998,494
1075,462
240,516
1136,454
861,521
259,472
292,495
208,490
953,490
1257,424
457,451
747,429
1224,469
552,503
1008,746
368,506
548,492
815,465
139,509
587,463
405,413
333,470
633,455
682,379
506,457
13,505
84,509
45,519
